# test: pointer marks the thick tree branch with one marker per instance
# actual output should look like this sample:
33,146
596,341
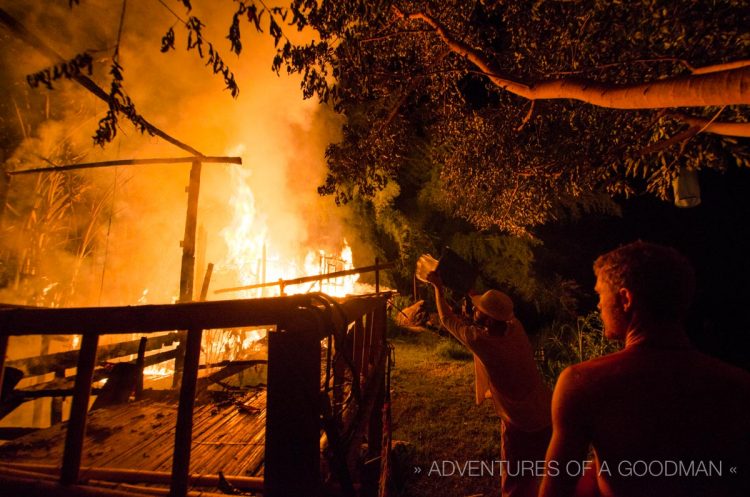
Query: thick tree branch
716,127
720,67
725,84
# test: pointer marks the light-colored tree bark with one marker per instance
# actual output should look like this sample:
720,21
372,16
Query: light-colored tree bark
716,127
726,84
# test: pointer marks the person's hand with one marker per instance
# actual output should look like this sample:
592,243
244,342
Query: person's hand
434,278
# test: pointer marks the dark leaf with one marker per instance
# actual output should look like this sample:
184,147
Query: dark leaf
167,41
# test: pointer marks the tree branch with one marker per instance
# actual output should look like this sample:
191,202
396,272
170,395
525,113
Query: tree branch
709,126
723,84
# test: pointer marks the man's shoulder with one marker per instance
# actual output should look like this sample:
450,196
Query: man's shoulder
598,364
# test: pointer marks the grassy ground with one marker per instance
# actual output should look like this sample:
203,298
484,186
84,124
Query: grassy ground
436,423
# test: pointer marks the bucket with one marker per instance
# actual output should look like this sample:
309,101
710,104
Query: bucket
455,272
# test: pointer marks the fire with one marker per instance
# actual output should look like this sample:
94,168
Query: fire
252,259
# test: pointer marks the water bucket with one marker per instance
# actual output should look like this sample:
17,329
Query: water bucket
456,273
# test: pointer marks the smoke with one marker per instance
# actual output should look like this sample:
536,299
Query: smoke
140,223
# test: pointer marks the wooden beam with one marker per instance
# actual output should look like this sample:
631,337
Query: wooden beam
33,366
309,279
149,318
20,31
187,272
141,476
354,307
126,162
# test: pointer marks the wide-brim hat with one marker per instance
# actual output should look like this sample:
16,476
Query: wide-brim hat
495,304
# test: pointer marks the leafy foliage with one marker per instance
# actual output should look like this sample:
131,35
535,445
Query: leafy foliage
500,162
564,344
68,70
196,41
119,104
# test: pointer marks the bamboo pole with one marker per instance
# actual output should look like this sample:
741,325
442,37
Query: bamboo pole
139,475
35,486
71,463
308,279
127,162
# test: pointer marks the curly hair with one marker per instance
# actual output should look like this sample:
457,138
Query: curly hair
661,279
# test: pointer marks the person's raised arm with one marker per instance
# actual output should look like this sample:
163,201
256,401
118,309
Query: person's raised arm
568,448
444,310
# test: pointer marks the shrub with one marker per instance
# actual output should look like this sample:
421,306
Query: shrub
565,344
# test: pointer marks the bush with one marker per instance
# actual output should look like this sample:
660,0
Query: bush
564,344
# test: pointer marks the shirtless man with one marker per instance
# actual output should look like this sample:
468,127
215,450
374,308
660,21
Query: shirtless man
506,373
663,419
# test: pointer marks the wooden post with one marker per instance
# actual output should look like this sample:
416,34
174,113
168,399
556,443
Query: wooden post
367,346
183,436
187,270
56,404
358,348
263,269
139,365
206,281
71,463
200,255
377,275
3,353
292,457
4,186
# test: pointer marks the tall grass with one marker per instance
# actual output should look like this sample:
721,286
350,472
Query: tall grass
565,344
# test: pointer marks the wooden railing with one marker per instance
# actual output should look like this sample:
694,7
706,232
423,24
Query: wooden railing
293,426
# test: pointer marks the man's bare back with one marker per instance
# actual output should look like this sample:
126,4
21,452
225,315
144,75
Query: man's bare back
662,418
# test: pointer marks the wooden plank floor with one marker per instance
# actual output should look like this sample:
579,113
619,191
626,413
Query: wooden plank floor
140,435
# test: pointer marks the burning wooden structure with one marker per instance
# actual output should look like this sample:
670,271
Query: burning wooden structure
301,435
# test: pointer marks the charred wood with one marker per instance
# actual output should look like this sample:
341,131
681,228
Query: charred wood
33,366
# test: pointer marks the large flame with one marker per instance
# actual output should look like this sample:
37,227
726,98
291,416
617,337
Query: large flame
253,259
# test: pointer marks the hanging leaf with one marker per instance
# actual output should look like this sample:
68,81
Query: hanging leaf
167,41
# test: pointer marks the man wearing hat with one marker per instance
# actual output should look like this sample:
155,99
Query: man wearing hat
506,373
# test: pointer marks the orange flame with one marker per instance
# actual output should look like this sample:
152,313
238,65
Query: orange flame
253,259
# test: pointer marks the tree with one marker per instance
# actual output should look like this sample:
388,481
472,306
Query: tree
592,105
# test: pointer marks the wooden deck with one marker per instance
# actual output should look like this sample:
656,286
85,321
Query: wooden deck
268,440
228,436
